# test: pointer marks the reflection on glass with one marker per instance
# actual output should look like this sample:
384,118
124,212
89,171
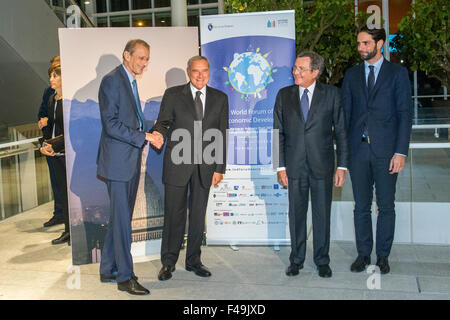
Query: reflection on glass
209,1
142,20
119,5
162,19
193,20
162,3
101,6
192,2
209,11
141,4
120,21
431,175
21,168
102,22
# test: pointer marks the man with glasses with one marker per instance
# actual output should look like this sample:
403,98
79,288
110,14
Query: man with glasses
308,116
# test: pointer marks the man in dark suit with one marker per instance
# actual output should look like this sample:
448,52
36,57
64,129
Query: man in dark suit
119,161
308,115
377,101
192,111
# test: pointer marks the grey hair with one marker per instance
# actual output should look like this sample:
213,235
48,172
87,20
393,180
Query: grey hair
131,46
195,58
317,62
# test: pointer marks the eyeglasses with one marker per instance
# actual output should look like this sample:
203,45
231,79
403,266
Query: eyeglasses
299,69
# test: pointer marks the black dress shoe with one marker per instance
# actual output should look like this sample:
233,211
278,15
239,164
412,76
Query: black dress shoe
199,270
166,273
324,271
112,278
53,222
65,237
293,269
360,264
383,264
132,287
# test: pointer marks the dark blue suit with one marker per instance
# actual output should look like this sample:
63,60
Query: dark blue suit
119,162
386,113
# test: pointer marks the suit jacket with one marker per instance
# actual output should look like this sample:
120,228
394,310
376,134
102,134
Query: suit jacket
178,112
43,109
387,110
310,142
54,120
121,142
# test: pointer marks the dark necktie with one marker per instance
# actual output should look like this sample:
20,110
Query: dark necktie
304,104
370,85
198,106
371,79
138,106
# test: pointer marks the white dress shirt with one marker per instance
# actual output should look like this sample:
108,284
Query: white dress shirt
310,96
202,96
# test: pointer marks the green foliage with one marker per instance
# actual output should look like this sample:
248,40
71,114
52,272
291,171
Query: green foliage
424,39
325,26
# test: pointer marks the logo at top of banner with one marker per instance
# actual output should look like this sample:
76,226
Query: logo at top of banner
249,72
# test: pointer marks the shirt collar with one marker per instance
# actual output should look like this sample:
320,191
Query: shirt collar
310,88
130,77
194,90
377,64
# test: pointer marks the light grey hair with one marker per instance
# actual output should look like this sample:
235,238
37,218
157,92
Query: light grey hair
317,62
195,58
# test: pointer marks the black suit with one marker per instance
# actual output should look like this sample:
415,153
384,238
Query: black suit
178,112
56,121
306,151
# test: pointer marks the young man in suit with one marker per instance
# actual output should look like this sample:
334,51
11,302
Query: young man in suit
190,110
119,161
378,105
308,116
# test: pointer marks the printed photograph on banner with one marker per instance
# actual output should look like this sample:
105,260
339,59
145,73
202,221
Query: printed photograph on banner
83,67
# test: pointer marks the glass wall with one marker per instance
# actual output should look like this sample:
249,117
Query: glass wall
144,13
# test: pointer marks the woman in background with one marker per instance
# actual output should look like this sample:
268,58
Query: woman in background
55,128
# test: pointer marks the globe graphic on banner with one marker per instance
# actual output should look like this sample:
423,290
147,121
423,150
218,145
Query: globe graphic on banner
249,72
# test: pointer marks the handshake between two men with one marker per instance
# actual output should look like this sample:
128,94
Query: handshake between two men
155,138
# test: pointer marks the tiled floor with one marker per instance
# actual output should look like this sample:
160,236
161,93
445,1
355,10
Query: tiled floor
31,268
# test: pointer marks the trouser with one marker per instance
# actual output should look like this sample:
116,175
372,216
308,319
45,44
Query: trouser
58,205
321,196
59,163
175,213
116,253
366,171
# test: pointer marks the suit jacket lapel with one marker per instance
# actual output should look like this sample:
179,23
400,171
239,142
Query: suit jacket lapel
381,76
126,84
315,102
363,81
296,102
208,103
189,99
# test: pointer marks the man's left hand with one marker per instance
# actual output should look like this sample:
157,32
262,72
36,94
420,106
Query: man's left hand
397,164
217,177
339,178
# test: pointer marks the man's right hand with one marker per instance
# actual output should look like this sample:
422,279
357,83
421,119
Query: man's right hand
282,178
155,138
42,122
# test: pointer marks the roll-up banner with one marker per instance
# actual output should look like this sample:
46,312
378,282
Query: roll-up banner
87,55
251,56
